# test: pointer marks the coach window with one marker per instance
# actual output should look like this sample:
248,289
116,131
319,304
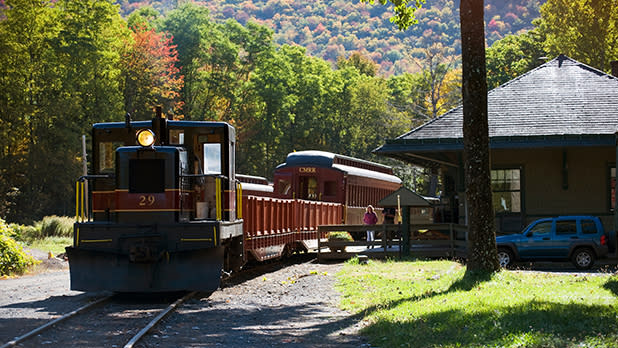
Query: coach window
212,158
284,187
330,188
312,188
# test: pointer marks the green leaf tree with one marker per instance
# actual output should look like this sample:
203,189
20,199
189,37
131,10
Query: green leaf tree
26,81
272,81
586,30
514,55
188,25
59,75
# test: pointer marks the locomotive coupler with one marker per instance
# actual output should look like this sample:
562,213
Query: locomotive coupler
143,254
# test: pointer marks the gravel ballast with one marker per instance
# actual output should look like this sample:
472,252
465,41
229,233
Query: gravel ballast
269,305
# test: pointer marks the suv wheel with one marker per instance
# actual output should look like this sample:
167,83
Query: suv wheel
583,258
505,257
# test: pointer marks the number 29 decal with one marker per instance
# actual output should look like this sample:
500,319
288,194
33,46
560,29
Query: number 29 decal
146,201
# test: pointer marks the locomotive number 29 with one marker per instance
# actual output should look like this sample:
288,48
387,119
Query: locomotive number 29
146,200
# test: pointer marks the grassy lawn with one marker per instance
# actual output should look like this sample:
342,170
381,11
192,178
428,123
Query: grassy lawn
436,304
54,244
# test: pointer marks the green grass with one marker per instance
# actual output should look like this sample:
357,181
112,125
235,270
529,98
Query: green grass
54,244
438,304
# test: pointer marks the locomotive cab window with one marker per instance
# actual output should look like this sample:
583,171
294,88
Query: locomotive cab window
146,176
212,158
176,137
107,156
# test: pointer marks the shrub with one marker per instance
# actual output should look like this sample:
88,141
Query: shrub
5,230
57,226
24,233
340,236
13,259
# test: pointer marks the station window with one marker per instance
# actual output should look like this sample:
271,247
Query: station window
612,187
506,190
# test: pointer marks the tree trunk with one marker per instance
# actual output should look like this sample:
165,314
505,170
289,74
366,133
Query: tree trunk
482,254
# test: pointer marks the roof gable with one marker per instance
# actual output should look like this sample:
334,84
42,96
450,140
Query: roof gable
560,97
404,197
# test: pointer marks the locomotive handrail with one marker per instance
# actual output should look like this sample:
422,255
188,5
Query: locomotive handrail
220,176
81,195
95,176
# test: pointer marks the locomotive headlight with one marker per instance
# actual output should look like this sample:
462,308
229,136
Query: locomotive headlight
145,137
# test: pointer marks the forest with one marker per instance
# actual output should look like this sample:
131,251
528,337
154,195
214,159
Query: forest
67,64
329,29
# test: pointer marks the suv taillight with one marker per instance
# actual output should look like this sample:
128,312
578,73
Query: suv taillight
603,240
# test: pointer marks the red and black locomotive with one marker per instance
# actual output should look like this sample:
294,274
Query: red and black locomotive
163,208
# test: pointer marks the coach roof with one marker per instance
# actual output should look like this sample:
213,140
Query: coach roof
325,159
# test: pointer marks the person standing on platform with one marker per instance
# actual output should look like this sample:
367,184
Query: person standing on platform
370,218
389,219
389,215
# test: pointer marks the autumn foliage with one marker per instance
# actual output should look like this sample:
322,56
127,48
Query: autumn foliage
150,76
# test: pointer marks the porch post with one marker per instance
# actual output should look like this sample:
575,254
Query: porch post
615,198
405,230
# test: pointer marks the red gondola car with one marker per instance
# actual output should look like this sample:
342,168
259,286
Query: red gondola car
255,185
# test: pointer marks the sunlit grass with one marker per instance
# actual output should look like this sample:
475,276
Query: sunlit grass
55,245
436,304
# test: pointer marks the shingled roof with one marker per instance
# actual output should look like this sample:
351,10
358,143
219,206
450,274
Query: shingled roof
560,103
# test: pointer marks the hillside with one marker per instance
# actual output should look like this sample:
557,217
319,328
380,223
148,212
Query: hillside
332,28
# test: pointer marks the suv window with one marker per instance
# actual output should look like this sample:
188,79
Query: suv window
541,229
566,227
589,227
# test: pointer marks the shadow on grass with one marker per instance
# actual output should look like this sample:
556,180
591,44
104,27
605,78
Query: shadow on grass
469,281
535,323
612,285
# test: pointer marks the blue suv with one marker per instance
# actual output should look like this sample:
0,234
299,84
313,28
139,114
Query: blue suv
581,239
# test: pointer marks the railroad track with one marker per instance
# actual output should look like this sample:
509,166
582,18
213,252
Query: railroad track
255,269
93,330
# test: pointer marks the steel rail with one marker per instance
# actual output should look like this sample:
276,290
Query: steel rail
156,320
53,322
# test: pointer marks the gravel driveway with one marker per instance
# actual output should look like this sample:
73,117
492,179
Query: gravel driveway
268,306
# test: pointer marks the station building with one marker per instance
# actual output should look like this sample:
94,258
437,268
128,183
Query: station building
553,135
